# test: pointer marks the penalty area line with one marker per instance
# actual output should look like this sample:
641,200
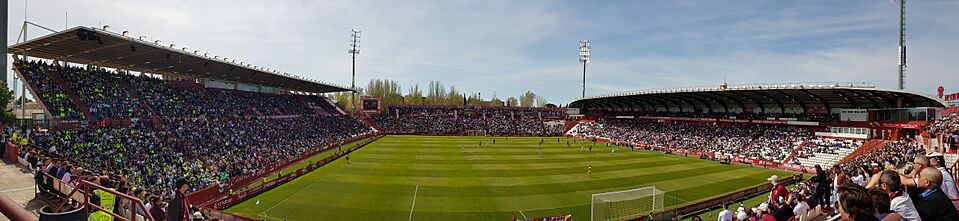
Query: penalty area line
414,201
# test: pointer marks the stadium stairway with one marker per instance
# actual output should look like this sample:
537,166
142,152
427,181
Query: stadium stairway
143,103
372,123
569,126
869,146
73,96
793,154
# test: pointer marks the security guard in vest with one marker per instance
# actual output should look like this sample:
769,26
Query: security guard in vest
107,201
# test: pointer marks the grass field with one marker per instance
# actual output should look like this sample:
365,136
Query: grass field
429,178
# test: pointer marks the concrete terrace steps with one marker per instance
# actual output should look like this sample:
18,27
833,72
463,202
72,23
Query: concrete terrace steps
798,147
869,146
826,159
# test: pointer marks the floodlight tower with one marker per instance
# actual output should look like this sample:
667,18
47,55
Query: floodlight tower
902,47
354,50
584,58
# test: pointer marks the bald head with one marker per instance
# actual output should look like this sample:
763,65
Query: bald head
932,176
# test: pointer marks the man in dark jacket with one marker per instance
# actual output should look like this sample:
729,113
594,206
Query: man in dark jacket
178,209
933,204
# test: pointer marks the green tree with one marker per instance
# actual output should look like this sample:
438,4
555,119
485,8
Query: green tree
6,97
511,101
528,99
388,91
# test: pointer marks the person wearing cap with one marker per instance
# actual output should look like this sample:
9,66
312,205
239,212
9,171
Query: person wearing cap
741,214
778,190
948,183
763,212
178,209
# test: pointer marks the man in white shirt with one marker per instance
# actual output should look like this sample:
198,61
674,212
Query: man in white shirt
741,213
899,201
725,215
801,209
948,182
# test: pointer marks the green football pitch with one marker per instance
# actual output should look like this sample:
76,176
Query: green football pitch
431,178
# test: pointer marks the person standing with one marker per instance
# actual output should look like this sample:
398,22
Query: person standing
589,170
778,190
725,215
178,208
539,150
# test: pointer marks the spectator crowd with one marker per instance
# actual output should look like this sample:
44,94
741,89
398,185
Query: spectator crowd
459,120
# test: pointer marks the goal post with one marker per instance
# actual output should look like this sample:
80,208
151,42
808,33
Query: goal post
626,204
476,133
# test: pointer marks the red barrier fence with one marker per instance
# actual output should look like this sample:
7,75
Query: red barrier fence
14,211
10,152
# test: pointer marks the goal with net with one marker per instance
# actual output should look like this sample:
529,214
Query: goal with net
626,204
476,133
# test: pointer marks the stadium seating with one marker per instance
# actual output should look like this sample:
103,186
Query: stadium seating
40,76
209,135
459,120
110,95
826,151
760,142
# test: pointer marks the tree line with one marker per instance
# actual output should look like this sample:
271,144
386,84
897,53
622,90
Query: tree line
435,93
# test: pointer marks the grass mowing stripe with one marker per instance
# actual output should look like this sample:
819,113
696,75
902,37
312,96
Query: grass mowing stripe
596,183
392,159
542,201
579,175
466,185
514,172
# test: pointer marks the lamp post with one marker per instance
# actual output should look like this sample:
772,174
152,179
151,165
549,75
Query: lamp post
354,50
584,58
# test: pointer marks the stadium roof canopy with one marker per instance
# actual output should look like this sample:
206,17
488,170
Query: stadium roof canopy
85,45
761,98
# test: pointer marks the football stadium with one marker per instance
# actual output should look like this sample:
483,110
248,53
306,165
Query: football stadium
105,124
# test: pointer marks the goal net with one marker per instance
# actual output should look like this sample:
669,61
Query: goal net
626,204
476,133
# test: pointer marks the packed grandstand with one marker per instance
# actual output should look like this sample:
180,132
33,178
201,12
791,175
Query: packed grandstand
145,137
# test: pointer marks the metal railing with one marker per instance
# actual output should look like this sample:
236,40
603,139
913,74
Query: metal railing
81,193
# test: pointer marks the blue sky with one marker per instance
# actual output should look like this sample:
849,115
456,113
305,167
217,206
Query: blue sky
508,47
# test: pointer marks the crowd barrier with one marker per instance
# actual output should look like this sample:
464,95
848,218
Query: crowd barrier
14,211
78,193
715,202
